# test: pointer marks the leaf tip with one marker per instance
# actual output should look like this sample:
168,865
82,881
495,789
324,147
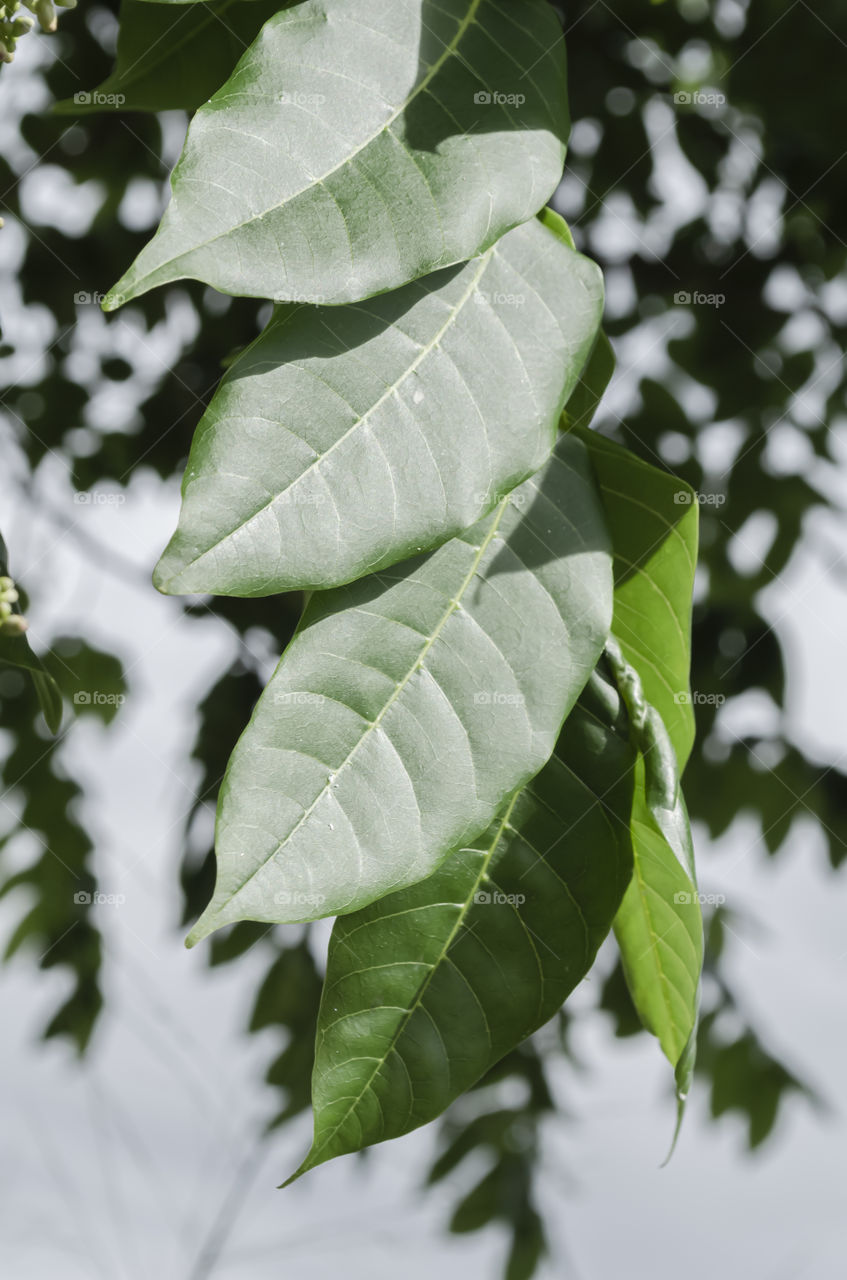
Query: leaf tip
114,299
310,1161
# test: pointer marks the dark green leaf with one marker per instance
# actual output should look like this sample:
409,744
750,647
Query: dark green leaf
428,988
173,54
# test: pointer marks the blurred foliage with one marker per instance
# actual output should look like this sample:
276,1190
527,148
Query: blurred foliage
681,97
39,807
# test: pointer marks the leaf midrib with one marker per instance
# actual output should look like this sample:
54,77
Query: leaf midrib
357,424
398,689
424,984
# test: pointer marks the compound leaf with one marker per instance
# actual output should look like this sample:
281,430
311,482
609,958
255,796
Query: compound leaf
348,438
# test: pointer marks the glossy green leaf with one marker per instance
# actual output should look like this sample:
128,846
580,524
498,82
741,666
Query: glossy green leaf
410,705
652,520
358,146
428,988
659,926
173,55
348,438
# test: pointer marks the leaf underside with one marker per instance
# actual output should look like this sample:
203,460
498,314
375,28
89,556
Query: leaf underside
411,704
348,438
359,146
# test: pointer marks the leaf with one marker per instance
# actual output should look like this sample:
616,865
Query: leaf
15,651
652,519
583,401
48,888
428,988
93,679
358,146
659,926
410,705
173,54
347,438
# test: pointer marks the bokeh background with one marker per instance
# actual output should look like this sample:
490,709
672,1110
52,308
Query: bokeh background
152,1098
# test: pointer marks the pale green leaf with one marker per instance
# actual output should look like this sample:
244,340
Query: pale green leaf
411,704
347,438
361,145
428,988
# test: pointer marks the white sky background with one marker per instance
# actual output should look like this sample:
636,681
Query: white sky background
116,1168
